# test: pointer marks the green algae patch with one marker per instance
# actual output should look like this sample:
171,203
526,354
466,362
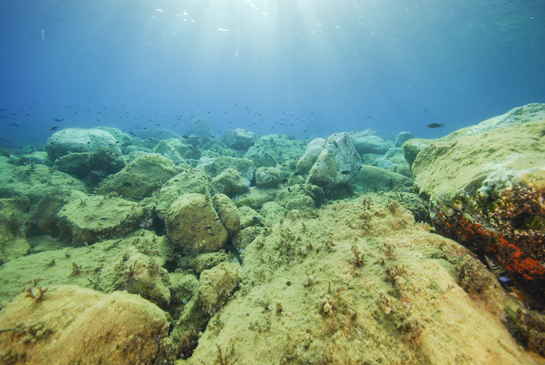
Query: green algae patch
79,266
69,325
97,217
34,181
12,238
141,177
355,282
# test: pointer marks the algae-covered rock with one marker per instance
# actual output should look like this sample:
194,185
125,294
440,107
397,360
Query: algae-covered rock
371,178
204,261
403,137
261,159
75,265
215,288
12,238
34,181
282,147
370,141
337,163
249,217
215,166
79,140
191,181
314,148
193,225
487,190
97,217
163,148
255,198
345,281
240,139
300,196
228,213
141,177
43,218
72,325
267,177
229,182
182,287
99,163
412,148
137,273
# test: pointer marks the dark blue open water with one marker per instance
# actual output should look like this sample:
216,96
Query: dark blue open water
284,66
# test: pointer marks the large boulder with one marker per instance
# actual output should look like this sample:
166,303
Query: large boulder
194,226
141,177
373,179
487,190
72,325
70,140
337,163
240,139
403,137
97,164
230,183
97,217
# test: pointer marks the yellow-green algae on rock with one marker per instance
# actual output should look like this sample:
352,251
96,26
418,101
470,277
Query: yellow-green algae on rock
72,325
486,190
357,282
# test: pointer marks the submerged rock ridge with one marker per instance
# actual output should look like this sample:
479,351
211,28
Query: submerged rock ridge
486,189
195,250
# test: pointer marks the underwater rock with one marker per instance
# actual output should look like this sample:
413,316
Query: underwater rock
370,141
267,177
261,159
75,265
189,148
314,148
486,190
166,150
402,137
191,181
12,238
99,163
193,225
72,325
215,288
249,217
372,179
34,181
43,218
215,166
280,146
320,282
94,218
255,197
71,140
197,263
300,196
239,139
124,139
199,126
37,157
338,162
141,177
394,160
137,273
230,183
228,213
182,288
520,115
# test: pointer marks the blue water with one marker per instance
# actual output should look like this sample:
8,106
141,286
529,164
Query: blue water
305,67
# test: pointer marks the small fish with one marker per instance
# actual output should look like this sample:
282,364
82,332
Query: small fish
435,125
345,172
54,128
208,227
104,219
14,125
426,110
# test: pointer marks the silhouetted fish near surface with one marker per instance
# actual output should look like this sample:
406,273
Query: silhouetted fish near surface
53,128
435,125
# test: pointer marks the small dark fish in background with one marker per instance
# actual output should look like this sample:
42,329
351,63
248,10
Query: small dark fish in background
14,125
54,128
435,125
345,172
426,110
58,120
